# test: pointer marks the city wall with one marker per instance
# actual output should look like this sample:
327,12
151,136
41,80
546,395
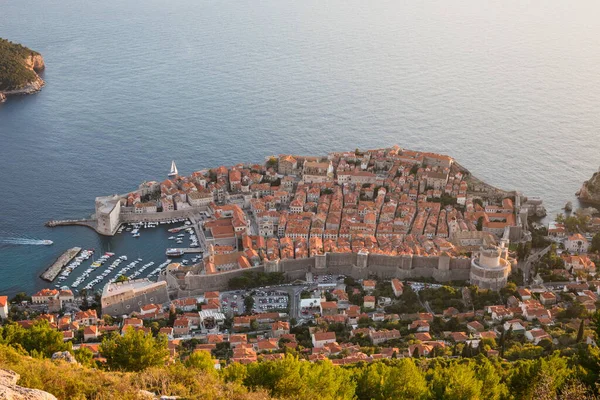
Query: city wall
128,302
357,265
159,216
195,284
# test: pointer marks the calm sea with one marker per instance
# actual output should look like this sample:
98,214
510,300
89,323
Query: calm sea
509,88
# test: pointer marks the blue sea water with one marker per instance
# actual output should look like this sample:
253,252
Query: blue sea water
511,89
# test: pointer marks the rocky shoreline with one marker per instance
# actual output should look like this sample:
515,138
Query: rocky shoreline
35,62
590,190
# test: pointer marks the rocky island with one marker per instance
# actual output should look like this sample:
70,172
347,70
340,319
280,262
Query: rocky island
19,67
590,190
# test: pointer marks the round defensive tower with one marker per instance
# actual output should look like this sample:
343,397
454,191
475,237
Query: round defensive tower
490,269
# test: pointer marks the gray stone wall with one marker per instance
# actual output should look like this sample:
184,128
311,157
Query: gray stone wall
442,269
159,216
215,281
123,304
297,269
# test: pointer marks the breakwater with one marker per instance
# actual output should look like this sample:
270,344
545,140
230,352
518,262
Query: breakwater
52,272
90,223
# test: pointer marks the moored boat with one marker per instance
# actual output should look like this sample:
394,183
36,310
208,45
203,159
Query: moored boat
174,252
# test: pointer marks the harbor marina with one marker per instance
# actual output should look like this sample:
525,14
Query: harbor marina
92,270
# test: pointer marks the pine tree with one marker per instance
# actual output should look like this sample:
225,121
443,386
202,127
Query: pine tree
466,351
595,323
580,332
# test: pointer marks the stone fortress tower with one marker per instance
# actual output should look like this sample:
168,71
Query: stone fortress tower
108,214
490,268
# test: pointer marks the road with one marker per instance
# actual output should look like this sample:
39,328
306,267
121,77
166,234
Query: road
293,292
424,305
535,256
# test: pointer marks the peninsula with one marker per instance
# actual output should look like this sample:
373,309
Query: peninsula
19,67
390,212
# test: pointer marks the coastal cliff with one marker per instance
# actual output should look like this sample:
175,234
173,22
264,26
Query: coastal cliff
19,68
590,190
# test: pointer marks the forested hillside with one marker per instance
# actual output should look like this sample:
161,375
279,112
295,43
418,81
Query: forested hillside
14,70
137,361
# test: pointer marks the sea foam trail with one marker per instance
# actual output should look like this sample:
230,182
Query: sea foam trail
21,241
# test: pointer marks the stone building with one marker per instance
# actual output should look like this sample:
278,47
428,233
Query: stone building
108,213
490,269
287,165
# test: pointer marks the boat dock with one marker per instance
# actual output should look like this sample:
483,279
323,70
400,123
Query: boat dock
52,272
189,250
179,228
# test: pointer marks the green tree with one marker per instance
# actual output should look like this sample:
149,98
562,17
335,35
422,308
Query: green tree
467,351
580,332
122,278
595,323
295,379
249,304
595,245
415,353
84,356
254,324
493,388
134,351
480,224
172,315
154,327
401,380
201,360
20,297
272,162
574,310
41,340
235,372
457,382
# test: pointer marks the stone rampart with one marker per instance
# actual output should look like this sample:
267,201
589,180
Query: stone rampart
297,268
159,216
129,302
441,268
196,284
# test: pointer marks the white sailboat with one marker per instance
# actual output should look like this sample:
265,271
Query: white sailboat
173,171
